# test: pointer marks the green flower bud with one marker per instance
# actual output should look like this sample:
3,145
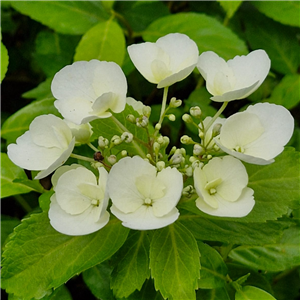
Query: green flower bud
187,118
196,112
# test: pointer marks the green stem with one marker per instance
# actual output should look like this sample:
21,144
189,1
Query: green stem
93,147
23,203
81,157
163,105
126,24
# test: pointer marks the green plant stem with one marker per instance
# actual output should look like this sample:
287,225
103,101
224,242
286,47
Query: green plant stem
93,147
163,105
23,203
126,24
82,157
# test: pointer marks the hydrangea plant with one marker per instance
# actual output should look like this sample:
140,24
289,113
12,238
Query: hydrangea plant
140,213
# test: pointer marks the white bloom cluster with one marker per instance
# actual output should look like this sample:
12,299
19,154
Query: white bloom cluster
144,192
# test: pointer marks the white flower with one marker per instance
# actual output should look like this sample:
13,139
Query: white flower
45,146
82,133
138,106
235,79
88,90
79,203
258,134
171,59
222,188
142,198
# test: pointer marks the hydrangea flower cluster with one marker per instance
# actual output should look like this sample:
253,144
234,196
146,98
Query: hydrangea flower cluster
143,192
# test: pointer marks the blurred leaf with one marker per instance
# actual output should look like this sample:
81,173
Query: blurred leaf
174,262
54,51
251,293
213,294
278,41
287,92
213,268
68,17
208,33
98,281
132,267
14,180
38,258
44,200
285,12
7,226
4,61
105,41
271,257
19,122
230,7
42,91
139,14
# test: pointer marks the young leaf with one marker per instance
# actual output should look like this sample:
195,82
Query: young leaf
286,93
207,32
68,17
19,122
133,265
252,292
271,257
285,12
38,258
7,226
175,262
213,268
42,91
105,41
4,61
213,294
14,180
98,281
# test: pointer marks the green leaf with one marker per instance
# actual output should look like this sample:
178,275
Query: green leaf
14,180
105,41
213,268
68,17
54,51
116,125
139,14
230,7
98,281
19,122
208,33
44,200
232,232
213,294
133,265
38,258
285,12
278,41
42,91
174,262
252,293
271,257
4,61
7,225
286,93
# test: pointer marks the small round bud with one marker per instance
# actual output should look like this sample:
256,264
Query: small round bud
116,140
112,159
123,153
188,190
197,164
103,142
216,129
157,126
196,111
216,147
176,159
209,156
156,147
201,134
127,137
189,171
186,140
131,118
142,122
148,156
172,151
160,139
198,150
147,111
175,103
96,164
166,141
171,117
192,159
187,118
160,165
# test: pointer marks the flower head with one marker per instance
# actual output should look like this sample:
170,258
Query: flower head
222,188
45,146
143,198
82,133
258,134
87,90
235,79
171,59
79,203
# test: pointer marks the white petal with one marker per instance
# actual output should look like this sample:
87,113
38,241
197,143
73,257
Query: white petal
74,224
237,209
144,219
61,170
138,106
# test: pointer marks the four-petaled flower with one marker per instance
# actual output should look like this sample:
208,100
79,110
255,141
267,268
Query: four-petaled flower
172,58
142,197
235,79
86,90
222,189
79,203
45,146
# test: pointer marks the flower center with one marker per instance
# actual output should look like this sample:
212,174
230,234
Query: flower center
212,185
95,202
240,149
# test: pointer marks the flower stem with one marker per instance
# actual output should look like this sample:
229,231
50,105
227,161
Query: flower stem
163,105
93,147
82,157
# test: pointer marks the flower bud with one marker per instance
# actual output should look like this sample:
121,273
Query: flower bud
112,159
192,159
187,118
156,147
103,142
188,191
160,165
175,103
124,153
189,171
116,140
157,126
172,117
127,137
216,129
131,118
186,140
196,112
197,164
147,111
176,159
198,150
160,139
142,122
166,141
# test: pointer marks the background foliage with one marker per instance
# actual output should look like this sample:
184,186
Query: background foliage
260,251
